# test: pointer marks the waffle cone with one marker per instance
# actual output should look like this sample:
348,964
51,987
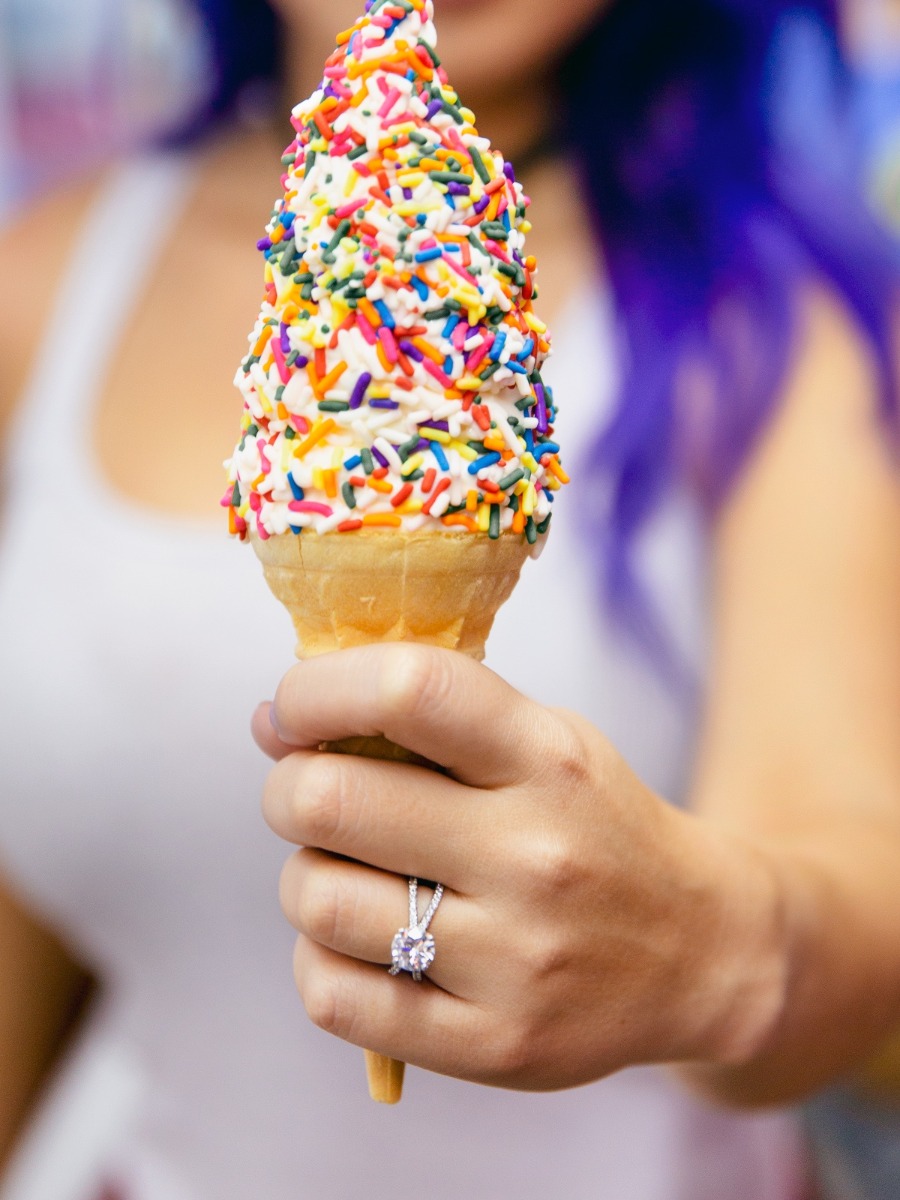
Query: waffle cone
373,586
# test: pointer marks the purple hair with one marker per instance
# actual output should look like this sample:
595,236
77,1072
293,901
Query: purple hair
713,213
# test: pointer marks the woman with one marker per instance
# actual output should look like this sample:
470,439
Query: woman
587,926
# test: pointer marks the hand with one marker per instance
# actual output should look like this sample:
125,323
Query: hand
586,926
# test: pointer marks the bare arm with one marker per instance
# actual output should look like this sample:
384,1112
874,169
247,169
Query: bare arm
801,753
42,991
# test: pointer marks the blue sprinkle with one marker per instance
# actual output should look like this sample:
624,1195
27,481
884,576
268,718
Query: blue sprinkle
440,456
421,287
447,331
385,313
448,365
352,463
507,222
288,219
498,347
546,448
298,529
515,367
425,256
295,488
422,218
487,460
529,440
527,350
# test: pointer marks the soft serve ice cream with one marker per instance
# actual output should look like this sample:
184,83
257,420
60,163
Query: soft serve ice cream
394,374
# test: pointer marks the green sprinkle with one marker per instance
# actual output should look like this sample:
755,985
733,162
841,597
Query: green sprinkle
414,476
513,502
531,531
478,164
437,314
349,495
545,525
495,522
310,162
450,176
489,371
252,430
496,230
511,479
453,110
290,433
279,392
358,152
292,358
339,234
429,50
236,496
333,406
420,139
368,461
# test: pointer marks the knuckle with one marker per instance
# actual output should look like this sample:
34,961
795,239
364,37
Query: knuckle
413,679
321,999
511,1053
318,799
327,910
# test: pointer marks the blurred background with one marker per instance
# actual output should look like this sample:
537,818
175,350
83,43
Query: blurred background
81,79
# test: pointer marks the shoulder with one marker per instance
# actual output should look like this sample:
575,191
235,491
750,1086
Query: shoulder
34,245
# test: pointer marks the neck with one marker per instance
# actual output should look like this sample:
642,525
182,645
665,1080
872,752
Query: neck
514,119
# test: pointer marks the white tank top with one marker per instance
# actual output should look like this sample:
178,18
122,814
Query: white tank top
130,820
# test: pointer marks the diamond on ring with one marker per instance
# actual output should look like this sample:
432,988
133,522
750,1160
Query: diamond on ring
413,948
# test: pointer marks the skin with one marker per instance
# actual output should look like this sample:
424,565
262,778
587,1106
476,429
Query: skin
788,871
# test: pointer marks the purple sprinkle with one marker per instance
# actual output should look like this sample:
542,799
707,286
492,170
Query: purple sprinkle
382,404
407,193
424,444
381,459
412,351
543,423
359,392
443,426
482,205
285,340
458,189
509,171
302,361
433,109
264,244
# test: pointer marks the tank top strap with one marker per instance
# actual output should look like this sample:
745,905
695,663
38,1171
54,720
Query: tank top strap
114,253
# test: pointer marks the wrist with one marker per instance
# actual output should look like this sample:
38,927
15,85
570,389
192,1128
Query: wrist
740,981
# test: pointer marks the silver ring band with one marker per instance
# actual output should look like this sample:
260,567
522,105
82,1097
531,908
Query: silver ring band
413,947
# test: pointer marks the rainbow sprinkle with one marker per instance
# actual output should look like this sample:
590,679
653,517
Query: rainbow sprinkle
394,373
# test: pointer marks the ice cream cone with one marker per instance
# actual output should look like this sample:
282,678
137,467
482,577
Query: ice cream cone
438,589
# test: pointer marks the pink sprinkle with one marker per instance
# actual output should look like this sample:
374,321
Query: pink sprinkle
280,362
255,502
454,139
382,21
390,100
365,328
399,119
434,370
461,271
360,169
460,336
310,506
479,354
497,249
347,210
260,529
343,92
240,524
391,349
338,72
263,457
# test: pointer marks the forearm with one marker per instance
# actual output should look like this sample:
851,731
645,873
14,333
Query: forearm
828,932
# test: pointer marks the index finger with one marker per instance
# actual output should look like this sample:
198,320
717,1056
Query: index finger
437,703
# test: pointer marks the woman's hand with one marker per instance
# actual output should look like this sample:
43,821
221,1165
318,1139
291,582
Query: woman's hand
587,925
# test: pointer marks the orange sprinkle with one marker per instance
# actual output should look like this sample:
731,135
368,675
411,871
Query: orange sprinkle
332,377
329,478
519,521
404,493
472,502
369,311
315,435
380,485
322,124
349,526
263,340
314,380
382,357
555,469
461,519
387,520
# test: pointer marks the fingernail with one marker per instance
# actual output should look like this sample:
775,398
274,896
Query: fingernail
273,720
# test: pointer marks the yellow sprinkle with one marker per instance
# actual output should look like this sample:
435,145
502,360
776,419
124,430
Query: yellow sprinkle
534,323
436,435
411,179
411,508
319,479
484,518
528,461
469,383
413,463
463,450
529,500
